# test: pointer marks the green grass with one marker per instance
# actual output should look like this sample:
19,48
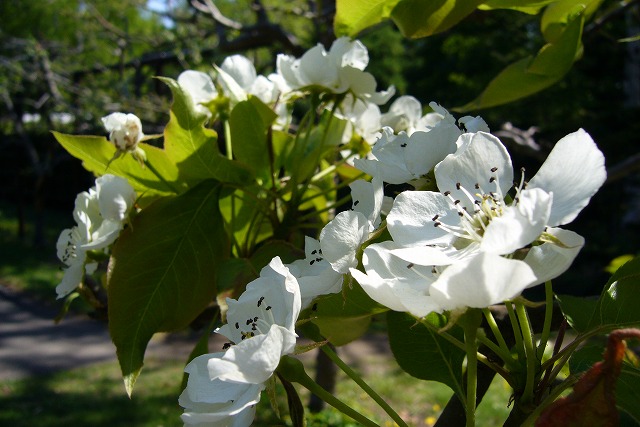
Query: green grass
95,396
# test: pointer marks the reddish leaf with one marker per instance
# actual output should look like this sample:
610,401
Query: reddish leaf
592,402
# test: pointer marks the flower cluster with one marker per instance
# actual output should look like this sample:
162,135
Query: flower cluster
100,214
482,239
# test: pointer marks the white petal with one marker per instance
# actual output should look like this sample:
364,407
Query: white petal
347,53
391,283
411,223
573,172
404,113
549,260
241,69
253,360
317,69
423,255
426,149
200,87
341,238
367,199
115,197
472,164
73,275
519,225
231,87
481,281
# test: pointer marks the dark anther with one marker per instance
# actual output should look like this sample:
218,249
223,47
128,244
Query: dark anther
492,179
435,217
355,203
268,308
456,202
237,325
260,301
403,145
410,265
446,193
226,345
458,185
493,169
477,186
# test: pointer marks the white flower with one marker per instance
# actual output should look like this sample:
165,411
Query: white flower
472,215
100,214
405,115
363,118
340,70
223,388
314,274
125,130
200,88
273,298
341,238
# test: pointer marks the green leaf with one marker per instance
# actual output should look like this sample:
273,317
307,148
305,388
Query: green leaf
353,16
249,121
422,18
96,154
617,306
296,408
423,353
532,74
531,7
265,253
577,310
193,147
558,15
163,270
346,316
619,302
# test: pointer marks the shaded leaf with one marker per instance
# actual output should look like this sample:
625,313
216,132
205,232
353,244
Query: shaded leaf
296,408
163,271
577,310
344,317
249,121
532,74
423,353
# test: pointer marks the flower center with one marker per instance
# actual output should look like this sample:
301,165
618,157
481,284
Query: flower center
487,205
259,322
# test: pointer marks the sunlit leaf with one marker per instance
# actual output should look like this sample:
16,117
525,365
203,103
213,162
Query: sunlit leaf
531,7
422,18
353,16
96,154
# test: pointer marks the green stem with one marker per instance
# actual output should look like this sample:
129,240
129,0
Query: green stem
471,346
505,352
292,370
505,356
160,177
227,140
548,314
363,385
517,333
530,352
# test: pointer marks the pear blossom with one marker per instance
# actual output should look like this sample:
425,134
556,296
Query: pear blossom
224,387
474,221
314,274
405,114
200,88
341,238
339,70
100,214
